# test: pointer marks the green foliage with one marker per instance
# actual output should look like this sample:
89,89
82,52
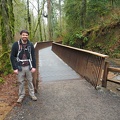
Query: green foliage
72,12
75,39
97,7
5,65
1,80
115,53
94,13
20,15
81,37
96,10
68,40
104,39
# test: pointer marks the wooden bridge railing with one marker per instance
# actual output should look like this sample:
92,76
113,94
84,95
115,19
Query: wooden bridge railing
107,70
87,63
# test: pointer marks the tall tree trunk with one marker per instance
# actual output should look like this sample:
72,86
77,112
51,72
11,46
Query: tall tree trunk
49,19
29,18
7,24
11,20
44,30
39,22
4,26
39,17
0,17
60,16
83,14
113,2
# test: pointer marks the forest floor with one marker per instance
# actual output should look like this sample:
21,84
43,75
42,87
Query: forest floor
9,93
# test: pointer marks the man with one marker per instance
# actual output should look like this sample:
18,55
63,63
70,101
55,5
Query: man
24,64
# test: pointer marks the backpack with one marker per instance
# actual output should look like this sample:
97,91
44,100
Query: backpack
20,50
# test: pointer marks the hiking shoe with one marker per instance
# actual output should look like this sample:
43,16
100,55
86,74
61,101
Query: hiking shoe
19,100
34,98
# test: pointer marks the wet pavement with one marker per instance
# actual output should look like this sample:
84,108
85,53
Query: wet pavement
64,95
52,68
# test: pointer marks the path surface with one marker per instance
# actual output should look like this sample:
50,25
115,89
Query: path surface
64,95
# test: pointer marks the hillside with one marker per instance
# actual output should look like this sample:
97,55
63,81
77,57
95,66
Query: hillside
104,39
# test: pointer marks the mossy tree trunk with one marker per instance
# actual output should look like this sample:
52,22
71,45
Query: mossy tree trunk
7,23
7,34
11,19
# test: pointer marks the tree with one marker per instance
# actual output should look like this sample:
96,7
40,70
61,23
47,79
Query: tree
39,22
40,11
49,9
7,23
60,16
29,19
83,14
7,33
72,12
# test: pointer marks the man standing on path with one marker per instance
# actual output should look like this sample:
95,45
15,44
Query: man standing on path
24,64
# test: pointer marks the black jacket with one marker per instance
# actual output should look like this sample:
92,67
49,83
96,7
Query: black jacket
14,52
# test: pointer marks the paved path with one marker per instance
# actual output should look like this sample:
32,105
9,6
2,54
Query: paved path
52,68
64,95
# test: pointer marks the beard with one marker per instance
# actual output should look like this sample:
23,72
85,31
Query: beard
24,40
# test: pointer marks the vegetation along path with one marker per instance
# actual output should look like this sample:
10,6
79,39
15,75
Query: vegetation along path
64,96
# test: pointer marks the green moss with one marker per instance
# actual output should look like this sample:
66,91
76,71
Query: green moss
5,65
1,80
105,40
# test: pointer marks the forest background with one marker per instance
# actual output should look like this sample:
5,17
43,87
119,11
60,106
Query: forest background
87,24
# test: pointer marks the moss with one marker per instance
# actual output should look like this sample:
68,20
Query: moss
104,39
2,80
5,65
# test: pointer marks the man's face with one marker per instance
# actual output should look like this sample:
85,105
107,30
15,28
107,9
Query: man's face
24,37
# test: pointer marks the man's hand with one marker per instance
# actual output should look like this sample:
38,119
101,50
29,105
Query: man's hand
33,70
16,71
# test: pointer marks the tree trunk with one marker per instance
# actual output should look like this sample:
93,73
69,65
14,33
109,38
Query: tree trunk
39,17
83,14
49,20
7,23
44,30
11,20
29,18
60,16
39,22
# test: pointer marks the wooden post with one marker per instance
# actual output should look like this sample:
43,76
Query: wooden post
105,74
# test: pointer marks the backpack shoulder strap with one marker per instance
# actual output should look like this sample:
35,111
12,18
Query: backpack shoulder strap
29,49
19,46
19,50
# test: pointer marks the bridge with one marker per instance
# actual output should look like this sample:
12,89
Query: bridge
66,84
90,65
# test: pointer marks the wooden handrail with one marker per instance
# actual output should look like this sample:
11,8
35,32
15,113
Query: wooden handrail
87,51
114,81
113,69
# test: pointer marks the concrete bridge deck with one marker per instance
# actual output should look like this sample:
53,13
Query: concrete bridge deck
64,95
